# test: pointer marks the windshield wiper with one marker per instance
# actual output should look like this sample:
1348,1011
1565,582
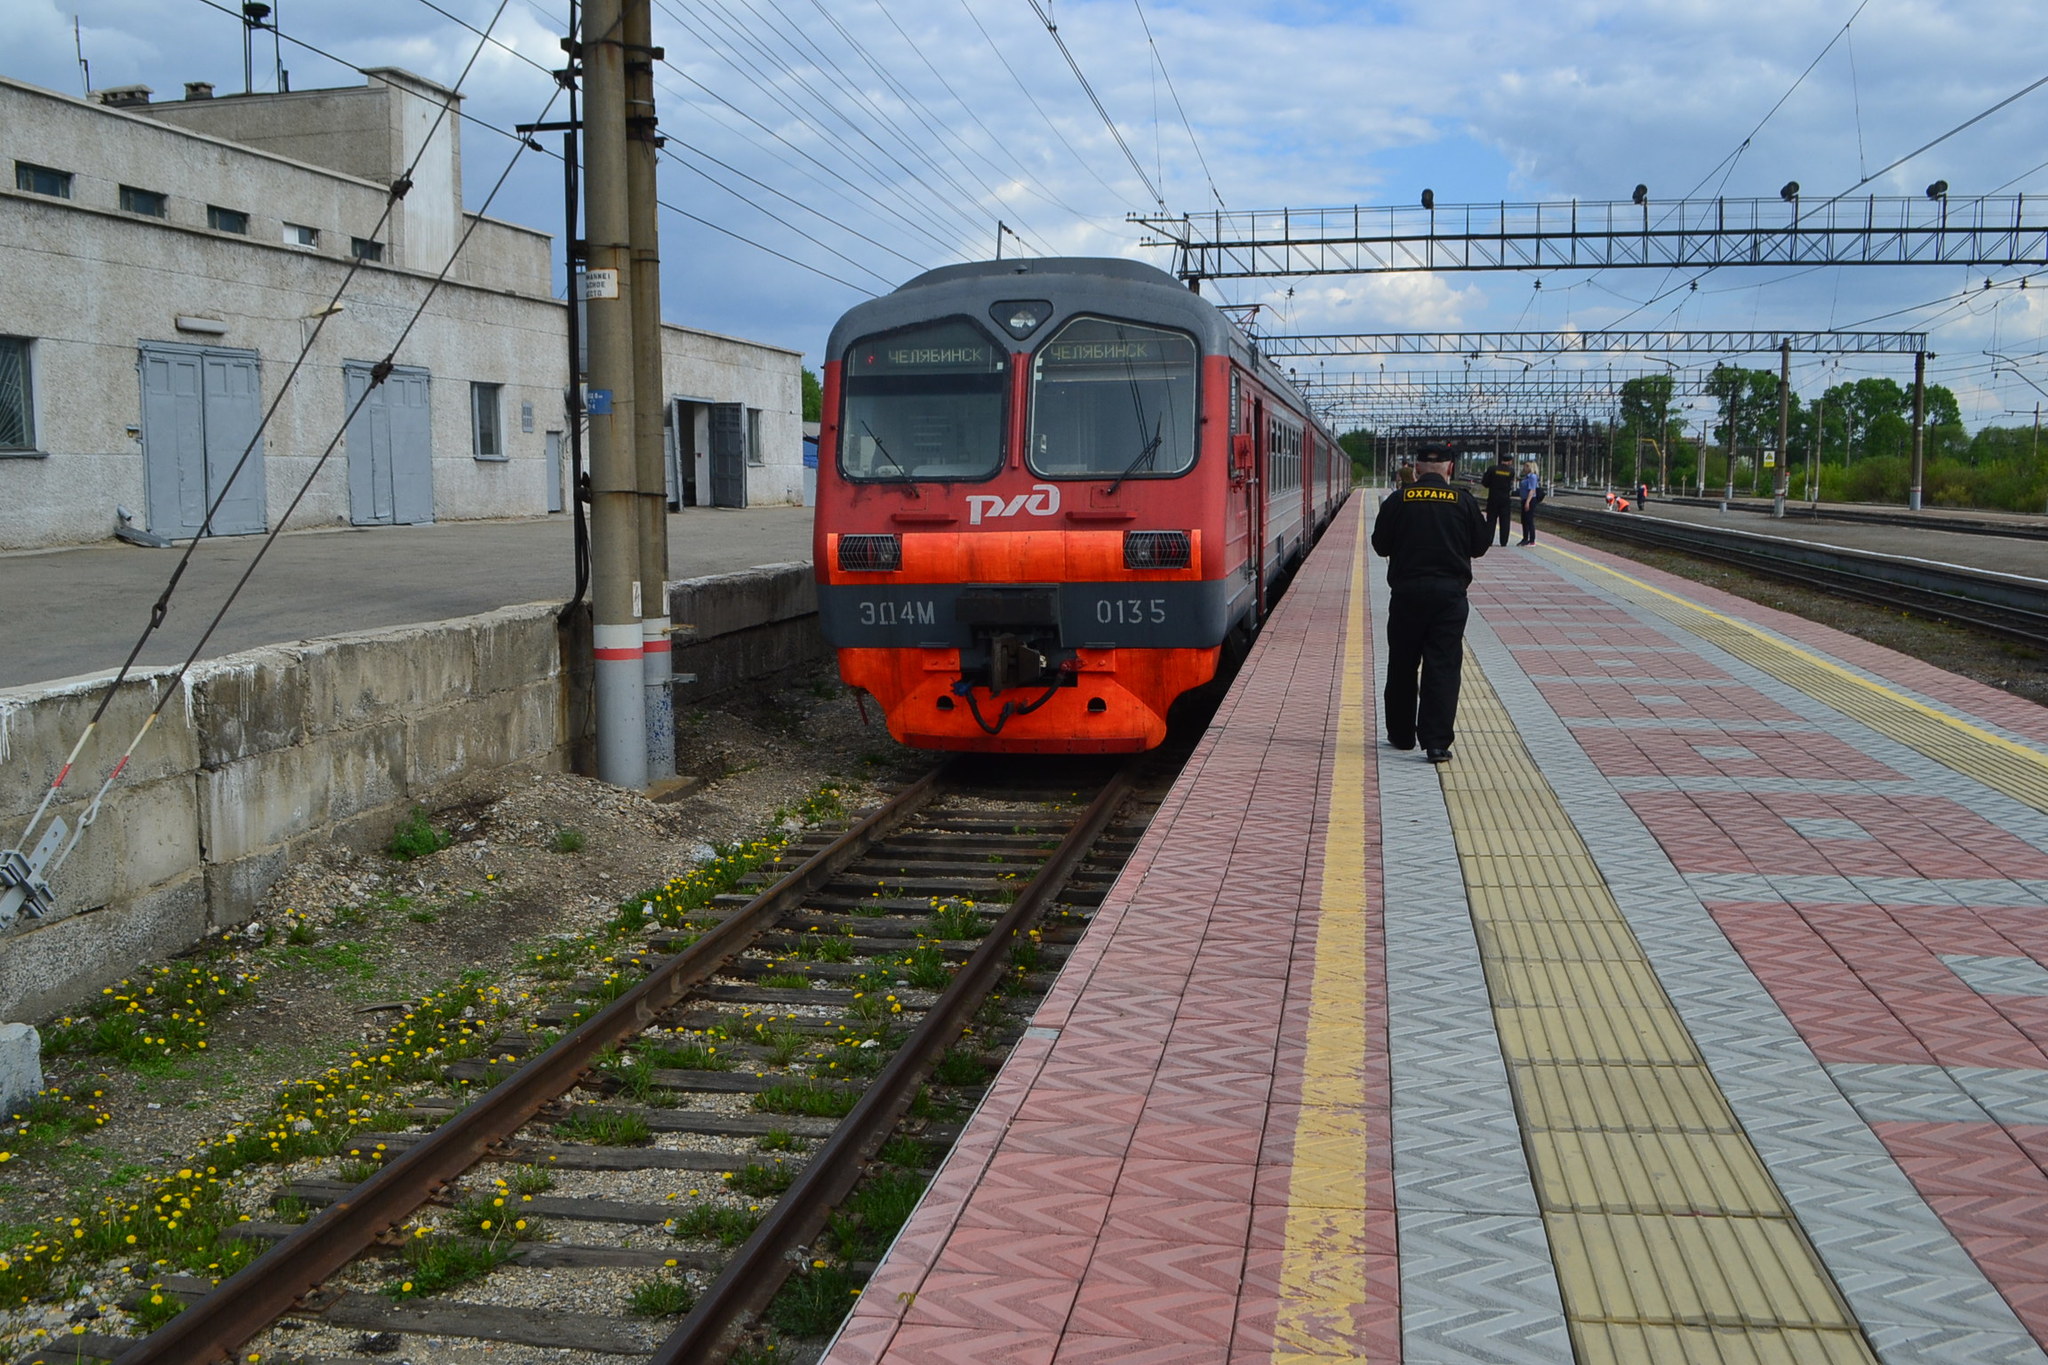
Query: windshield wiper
883,451
1144,456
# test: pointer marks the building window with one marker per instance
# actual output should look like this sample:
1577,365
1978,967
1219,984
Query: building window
483,421
363,249
753,436
42,180
298,234
142,201
17,408
227,220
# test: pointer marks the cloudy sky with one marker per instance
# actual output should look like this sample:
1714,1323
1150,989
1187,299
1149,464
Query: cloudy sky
834,148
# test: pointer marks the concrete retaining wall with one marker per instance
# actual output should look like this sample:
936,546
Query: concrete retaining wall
268,753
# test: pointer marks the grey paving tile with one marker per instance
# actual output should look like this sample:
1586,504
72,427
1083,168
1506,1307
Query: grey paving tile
1479,1288
1999,975
1898,1345
1827,828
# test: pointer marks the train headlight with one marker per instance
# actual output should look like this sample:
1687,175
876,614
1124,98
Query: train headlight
870,554
1021,317
1155,549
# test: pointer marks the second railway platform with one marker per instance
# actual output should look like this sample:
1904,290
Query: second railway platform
1696,1011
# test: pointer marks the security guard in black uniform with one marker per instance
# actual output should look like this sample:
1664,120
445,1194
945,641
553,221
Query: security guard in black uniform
1499,483
1430,533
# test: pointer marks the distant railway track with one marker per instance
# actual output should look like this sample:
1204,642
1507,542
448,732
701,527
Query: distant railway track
2004,605
955,873
1795,510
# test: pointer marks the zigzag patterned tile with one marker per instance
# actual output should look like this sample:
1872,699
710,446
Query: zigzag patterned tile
1479,1287
1005,1251
1198,1180
1153,1313
1058,1211
1165,1218
1077,1348
1898,1345
1045,1173
861,1341
1460,1155
921,1344
1338,1310
998,1302
1082,1107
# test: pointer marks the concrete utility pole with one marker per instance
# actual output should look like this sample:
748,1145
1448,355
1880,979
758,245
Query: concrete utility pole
642,148
1734,426
1784,429
1919,429
619,693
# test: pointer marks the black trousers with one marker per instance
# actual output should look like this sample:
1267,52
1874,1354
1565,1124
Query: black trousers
1529,524
1498,518
1425,634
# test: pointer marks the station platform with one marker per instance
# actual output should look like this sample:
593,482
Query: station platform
1696,1011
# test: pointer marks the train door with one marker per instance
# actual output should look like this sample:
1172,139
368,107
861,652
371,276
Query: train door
1256,489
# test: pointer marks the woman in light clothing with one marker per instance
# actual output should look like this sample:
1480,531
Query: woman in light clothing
1529,492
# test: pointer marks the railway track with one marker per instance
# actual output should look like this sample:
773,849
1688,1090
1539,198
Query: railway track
2004,605
831,1024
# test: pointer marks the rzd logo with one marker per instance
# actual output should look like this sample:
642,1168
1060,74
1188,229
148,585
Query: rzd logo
1042,501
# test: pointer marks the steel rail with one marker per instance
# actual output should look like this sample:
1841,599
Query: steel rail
1917,521
272,1285
1945,595
754,1274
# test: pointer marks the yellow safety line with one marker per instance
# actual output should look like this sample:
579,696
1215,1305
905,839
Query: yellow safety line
1671,1241
1323,1269
2016,769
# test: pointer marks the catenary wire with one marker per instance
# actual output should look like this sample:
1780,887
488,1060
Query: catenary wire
1171,90
1045,17
1025,89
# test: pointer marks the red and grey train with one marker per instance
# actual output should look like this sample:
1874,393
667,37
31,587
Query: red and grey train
1049,492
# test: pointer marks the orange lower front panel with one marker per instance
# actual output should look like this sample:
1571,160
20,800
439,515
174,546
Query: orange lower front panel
1133,686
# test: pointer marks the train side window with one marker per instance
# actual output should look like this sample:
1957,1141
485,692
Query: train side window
924,402
1111,400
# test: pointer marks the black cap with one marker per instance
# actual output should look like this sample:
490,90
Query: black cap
1437,453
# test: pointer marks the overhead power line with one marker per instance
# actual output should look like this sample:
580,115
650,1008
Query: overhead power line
1045,17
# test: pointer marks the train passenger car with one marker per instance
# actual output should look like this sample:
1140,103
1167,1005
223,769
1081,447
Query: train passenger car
1049,492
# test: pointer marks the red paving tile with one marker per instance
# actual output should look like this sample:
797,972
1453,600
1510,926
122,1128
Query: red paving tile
919,1344
1077,1348
952,1298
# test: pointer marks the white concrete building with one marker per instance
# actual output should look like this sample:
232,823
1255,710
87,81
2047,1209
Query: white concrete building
162,265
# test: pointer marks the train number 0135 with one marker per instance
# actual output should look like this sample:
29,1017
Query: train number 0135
1130,611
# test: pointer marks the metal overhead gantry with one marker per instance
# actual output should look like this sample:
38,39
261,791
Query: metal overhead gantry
1681,234
1596,342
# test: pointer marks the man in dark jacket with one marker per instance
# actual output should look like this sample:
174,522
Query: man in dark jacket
1429,533
1499,483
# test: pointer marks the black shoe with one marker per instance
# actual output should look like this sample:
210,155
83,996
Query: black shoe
1398,744
1438,755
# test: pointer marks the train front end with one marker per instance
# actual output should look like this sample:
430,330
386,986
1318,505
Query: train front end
1018,544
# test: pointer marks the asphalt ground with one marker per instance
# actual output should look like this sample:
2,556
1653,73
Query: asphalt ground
2001,554
78,611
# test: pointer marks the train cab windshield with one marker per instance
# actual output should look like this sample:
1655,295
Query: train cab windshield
924,403
1113,400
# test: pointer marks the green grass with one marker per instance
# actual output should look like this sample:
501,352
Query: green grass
531,1180
875,1212
415,838
437,1264
661,1299
814,1301
718,1223
356,1172
961,1066
909,1152
817,947
806,1097
605,1130
954,921
763,1182
568,840
684,1057
145,1018
287,1208
496,1217
786,981
779,1140
155,1307
926,967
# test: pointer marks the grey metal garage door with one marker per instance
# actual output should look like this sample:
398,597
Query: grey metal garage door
390,447
201,407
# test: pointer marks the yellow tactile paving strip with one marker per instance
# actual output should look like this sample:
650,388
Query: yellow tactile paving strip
1997,762
1323,1268
1671,1241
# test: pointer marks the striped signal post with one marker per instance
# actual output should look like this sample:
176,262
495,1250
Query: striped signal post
644,232
619,692
1784,470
